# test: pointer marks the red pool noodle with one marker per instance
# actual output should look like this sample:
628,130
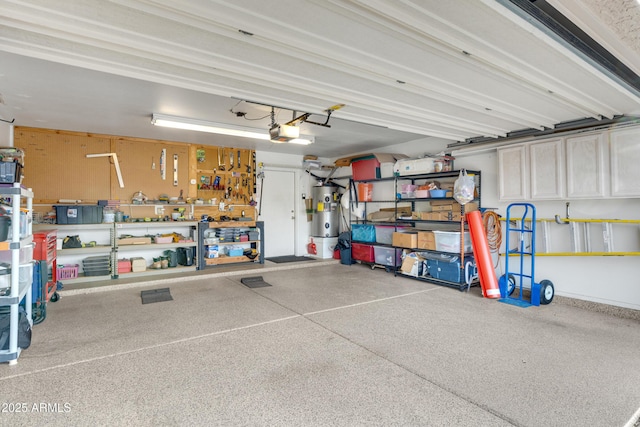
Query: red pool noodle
482,255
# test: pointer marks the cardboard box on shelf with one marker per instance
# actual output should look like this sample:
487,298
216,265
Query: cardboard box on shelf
426,240
470,207
405,239
132,240
447,205
440,216
389,214
413,265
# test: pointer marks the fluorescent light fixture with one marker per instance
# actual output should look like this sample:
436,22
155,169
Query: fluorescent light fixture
308,139
221,128
206,126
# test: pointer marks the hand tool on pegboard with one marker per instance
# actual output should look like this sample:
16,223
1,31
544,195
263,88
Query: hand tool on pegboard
163,164
253,168
221,162
175,170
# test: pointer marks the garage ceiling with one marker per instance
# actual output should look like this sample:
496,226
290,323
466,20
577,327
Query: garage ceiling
405,69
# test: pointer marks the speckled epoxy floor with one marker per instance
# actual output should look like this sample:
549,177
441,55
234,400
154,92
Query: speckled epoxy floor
327,344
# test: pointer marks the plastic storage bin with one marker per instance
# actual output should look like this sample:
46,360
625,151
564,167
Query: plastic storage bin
66,271
26,274
365,192
448,268
449,241
385,256
79,214
25,255
10,172
364,169
362,252
384,233
233,251
363,233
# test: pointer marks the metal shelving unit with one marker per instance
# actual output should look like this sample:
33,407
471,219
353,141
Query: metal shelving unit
152,228
258,245
108,245
18,291
438,225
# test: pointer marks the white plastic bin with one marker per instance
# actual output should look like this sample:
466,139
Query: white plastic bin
384,256
449,241
384,233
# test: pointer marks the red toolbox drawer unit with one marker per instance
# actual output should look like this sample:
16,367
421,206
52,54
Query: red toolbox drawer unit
46,252
45,241
362,252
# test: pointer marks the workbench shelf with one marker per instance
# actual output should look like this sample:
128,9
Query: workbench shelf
20,287
106,235
147,231
211,253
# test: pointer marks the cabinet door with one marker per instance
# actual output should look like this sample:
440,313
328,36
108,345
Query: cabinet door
625,158
547,169
512,173
586,166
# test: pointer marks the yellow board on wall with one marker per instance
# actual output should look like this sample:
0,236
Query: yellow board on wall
56,166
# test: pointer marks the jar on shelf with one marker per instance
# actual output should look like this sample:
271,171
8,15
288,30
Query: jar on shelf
108,215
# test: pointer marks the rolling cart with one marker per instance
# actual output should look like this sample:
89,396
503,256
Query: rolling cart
517,275
45,283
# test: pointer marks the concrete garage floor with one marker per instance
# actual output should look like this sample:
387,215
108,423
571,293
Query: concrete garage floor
327,344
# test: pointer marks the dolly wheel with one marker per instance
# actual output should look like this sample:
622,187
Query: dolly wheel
512,284
55,297
546,292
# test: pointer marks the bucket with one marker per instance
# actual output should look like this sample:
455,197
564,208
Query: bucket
108,216
5,222
365,191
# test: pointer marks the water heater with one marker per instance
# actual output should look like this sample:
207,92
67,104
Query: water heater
326,216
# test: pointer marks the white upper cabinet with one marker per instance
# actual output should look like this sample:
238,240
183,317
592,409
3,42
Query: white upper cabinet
625,162
512,173
591,165
586,167
547,169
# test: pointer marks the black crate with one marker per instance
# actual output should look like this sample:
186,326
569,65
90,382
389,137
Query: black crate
92,214
79,214
10,172
96,265
69,214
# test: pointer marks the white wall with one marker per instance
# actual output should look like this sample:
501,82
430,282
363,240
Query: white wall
608,280
6,135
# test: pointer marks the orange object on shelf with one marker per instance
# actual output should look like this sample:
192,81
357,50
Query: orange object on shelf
365,191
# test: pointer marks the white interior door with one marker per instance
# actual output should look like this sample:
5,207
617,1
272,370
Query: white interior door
277,211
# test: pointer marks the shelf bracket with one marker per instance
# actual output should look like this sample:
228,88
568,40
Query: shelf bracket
114,156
